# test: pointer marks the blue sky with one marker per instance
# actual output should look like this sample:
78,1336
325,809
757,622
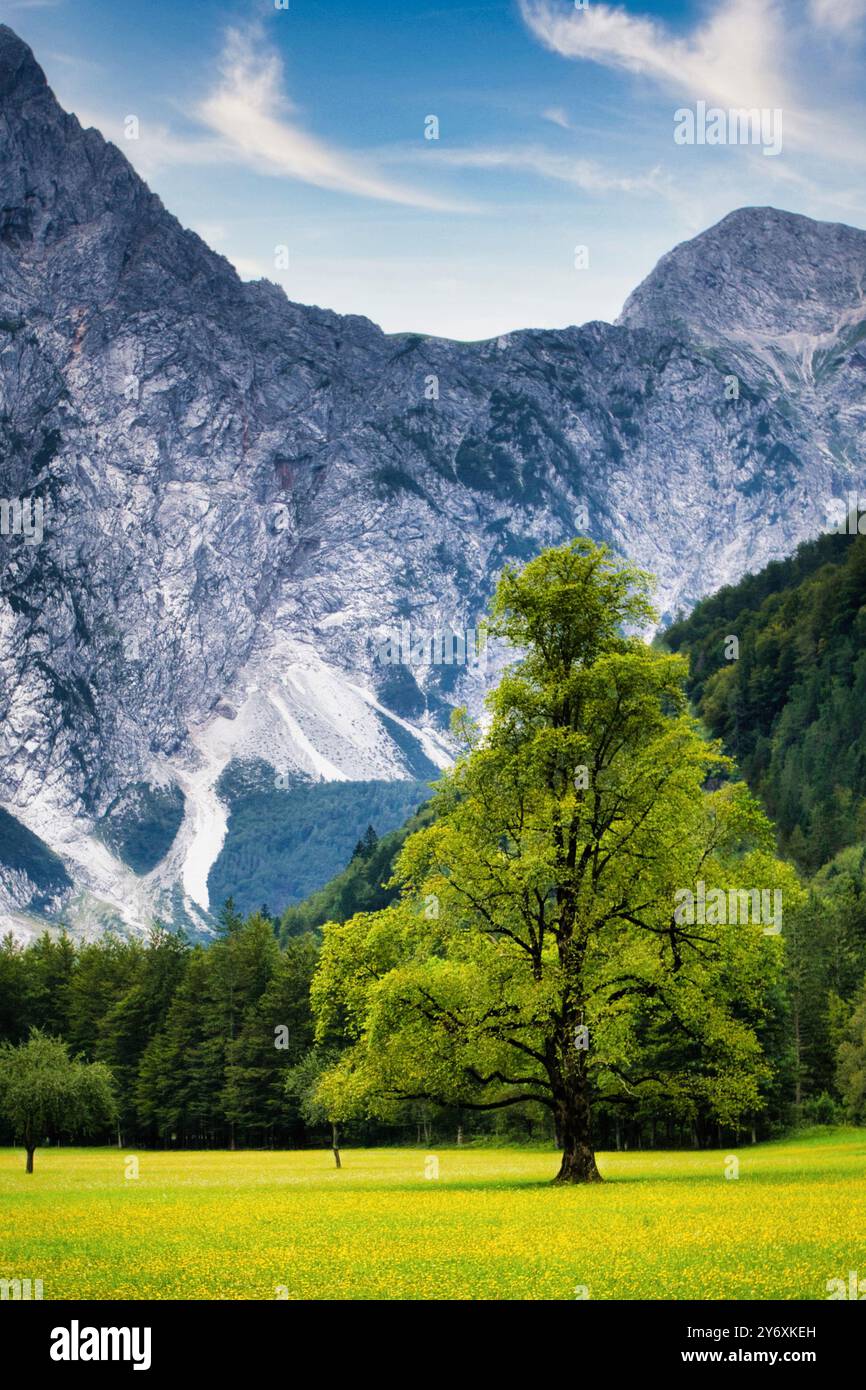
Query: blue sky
304,128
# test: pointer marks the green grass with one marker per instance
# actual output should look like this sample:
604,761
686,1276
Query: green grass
240,1225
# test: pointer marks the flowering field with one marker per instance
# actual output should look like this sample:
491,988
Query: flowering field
252,1225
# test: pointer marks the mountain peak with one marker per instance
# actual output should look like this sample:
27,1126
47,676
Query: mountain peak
760,270
262,534
19,71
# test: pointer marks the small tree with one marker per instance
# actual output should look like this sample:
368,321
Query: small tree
302,1085
365,846
43,1091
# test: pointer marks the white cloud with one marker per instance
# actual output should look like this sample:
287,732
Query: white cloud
732,59
241,113
157,146
739,56
557,116
243,129
840,15
563,168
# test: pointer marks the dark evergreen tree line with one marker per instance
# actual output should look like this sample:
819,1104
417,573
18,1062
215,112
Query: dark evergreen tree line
199,1040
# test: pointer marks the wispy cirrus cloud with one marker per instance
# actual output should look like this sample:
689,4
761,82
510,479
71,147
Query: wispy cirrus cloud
248,119
557,115
733,57
744,53
156,145
240,111
235,123
584,174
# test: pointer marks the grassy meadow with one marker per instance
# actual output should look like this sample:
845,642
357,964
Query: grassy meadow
251,1225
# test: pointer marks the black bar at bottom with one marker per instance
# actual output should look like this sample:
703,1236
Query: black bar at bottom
60,1338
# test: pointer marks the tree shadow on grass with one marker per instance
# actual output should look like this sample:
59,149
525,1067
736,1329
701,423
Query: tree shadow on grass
765,1176
476,1184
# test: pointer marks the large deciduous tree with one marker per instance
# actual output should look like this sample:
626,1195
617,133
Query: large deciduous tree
539,950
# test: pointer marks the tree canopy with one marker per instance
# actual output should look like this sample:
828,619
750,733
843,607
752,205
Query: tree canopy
45,1093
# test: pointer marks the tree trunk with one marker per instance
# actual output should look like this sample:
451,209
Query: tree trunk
335,1146
30,1153
575,1128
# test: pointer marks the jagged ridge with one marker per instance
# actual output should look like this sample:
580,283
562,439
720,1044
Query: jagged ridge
244,496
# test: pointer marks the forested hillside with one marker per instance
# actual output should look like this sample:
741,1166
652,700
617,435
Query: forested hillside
363,886
190,1033
283,843
778,672
788,696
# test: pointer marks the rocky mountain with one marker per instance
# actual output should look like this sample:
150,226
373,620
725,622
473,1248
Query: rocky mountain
255,513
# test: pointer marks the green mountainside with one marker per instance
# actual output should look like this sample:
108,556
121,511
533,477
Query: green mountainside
788,697
283,844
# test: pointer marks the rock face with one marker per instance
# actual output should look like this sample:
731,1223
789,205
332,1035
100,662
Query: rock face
246,500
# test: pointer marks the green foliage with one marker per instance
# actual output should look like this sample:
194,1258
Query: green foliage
463,949
822,1110
275,1033
852,1061
790,709
198,1040
302,1085
140,825
44,1093
366,845
540,902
